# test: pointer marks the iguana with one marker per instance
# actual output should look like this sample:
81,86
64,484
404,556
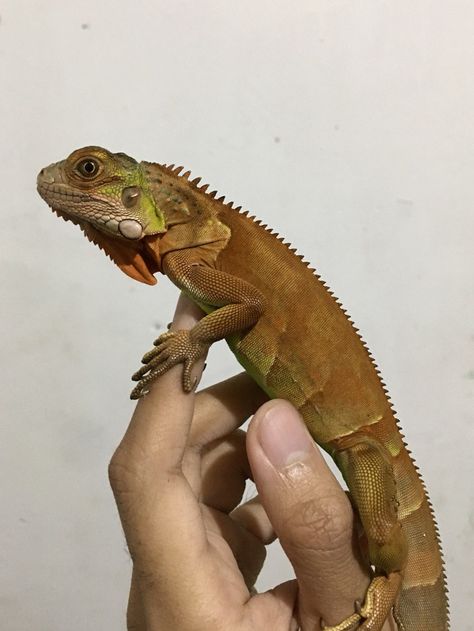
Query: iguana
290,334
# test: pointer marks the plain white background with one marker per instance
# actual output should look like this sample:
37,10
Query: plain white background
348,126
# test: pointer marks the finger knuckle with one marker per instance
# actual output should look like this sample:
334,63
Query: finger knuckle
129,465
323,523
120,469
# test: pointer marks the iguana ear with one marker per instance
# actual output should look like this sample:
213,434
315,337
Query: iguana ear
128,255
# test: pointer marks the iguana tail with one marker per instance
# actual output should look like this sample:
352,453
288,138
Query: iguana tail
422,603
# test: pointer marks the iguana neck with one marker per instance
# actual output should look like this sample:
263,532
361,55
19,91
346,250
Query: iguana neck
172,194
192,216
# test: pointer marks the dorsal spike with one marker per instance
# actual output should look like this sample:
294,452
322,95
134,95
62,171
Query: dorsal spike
178,170
186,174
170,166
196,181
212,193
221,199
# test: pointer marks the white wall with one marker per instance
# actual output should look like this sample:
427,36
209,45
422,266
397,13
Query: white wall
346,125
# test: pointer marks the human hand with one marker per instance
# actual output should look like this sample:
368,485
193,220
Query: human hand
178,477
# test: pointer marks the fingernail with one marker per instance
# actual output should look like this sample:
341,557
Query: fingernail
283,436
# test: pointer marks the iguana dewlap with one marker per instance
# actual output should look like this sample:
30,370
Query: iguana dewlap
290,334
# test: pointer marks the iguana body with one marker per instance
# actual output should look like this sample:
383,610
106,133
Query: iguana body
290,334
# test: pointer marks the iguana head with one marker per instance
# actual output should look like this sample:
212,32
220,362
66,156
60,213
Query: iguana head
109,196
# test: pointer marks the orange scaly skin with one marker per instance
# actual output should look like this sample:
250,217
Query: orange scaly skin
289,333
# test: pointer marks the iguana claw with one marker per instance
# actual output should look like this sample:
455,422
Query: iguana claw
349,624
379,599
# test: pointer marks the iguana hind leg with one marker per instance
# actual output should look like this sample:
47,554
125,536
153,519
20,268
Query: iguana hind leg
379,599
367,469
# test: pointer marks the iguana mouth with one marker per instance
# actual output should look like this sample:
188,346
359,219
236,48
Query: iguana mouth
58,196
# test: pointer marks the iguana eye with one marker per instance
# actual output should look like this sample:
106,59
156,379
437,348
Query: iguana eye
88,167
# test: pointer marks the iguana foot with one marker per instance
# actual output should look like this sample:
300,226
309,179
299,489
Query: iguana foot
171,348
349,624
379,600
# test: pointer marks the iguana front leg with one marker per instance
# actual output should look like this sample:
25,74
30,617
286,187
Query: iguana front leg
236,306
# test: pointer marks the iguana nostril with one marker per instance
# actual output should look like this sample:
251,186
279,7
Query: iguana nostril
46,176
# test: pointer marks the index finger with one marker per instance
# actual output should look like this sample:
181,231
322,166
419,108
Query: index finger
160,515
155,427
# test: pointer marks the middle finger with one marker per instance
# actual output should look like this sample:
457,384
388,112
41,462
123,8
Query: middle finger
223,407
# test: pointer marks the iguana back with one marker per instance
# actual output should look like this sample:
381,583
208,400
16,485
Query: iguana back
304,348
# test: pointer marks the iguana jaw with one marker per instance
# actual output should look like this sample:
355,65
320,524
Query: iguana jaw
138,258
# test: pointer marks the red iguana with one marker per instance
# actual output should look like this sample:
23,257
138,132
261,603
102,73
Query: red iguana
290,334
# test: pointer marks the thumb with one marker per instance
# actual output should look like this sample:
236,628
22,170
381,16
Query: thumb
310,513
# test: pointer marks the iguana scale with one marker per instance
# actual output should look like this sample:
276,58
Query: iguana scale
291,335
